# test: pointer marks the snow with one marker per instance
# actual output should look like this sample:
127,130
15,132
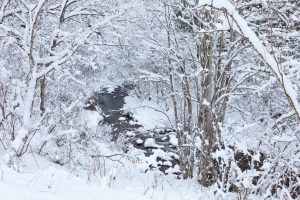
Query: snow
46,181
285,138
175,169
206,103
122,118
18,141
91,118
57,186
150,142
158,153
72,136
110,88
146,113
242,27
139,141
130,134
173,140
167,163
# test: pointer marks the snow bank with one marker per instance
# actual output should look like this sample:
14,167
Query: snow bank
91,118
47,181
147,113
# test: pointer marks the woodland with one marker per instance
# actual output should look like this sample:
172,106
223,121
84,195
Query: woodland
201,94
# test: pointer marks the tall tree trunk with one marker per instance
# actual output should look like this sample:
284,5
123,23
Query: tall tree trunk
42,94
207,170
186,153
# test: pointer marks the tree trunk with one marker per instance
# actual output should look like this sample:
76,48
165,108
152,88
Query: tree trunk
207,170
42,94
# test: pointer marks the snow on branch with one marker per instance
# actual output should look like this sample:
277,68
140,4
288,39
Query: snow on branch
242,27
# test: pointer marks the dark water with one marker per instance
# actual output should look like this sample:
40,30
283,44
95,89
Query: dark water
111,104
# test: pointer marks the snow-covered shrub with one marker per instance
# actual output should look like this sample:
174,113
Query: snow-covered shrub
255,173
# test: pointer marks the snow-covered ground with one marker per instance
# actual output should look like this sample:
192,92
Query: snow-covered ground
148,113
47,181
